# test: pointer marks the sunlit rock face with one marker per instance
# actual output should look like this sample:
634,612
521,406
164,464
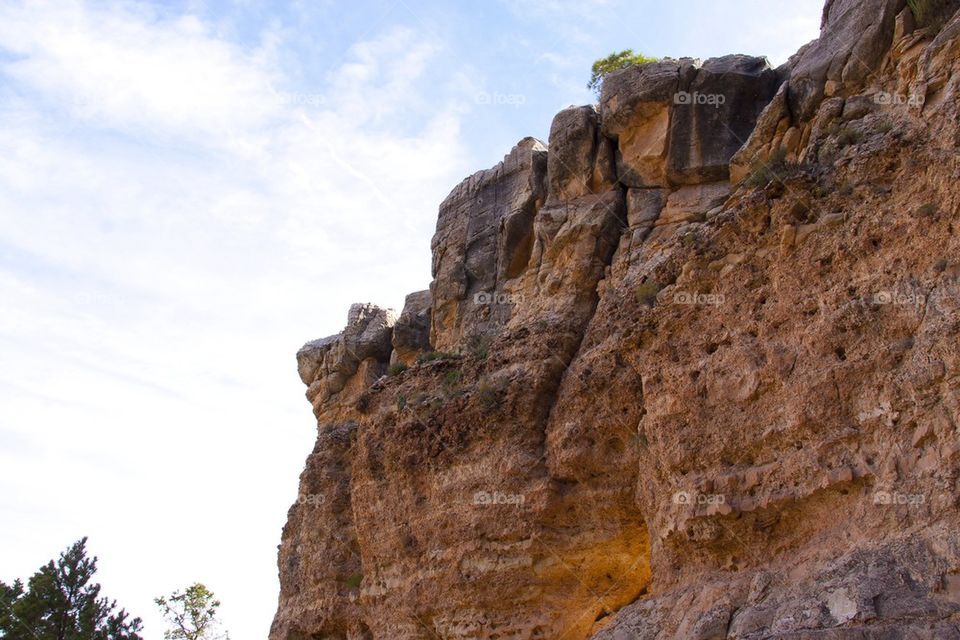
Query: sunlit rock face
689,369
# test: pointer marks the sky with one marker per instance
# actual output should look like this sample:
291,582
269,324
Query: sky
190,190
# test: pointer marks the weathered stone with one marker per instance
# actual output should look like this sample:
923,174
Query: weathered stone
483,240
714,115
635,107
411,333
644,206
752,152
854,35
364,346
581,159
690,204
680,122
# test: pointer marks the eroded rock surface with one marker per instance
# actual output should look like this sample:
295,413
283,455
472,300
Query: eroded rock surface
666,384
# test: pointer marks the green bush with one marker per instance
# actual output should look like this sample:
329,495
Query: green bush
396,369
647,293
479,346
614,62
451,379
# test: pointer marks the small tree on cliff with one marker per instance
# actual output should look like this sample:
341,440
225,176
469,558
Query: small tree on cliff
61,603
614,62
192,614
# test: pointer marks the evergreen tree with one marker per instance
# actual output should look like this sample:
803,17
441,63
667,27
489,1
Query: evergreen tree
61,603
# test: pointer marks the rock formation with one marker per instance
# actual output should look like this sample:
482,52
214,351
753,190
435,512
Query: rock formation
690,370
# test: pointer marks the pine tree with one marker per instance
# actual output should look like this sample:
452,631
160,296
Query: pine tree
61,603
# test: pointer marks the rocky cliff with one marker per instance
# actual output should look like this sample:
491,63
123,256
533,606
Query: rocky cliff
689,370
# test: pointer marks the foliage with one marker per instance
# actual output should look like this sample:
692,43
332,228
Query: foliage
647,293
396,369
614,62
490,394
191,614
848,136
451,379
353,582
61,603
430,356
932,14
479,346
763,173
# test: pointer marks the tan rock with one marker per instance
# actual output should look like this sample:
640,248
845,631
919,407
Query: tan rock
690,204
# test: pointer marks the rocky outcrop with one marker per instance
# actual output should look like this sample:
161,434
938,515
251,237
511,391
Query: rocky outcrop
679,122
411,333
665,383
351,360
483,240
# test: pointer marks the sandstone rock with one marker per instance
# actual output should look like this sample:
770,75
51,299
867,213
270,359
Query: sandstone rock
752,151
311,355
680,122
644,206
854,36
411,333
690,204
715,114
635,107
483,240
327,365
581,160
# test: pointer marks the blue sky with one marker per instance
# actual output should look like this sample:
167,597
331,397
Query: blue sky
191,190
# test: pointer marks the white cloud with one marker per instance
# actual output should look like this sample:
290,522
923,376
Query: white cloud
171,230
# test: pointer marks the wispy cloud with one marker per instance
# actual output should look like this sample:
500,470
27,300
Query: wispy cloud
172,226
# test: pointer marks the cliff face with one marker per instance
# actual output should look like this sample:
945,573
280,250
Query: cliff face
688,371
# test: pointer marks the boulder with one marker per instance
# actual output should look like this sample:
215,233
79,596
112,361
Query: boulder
644,206
680,122
691,203
581,159
714,115
635,108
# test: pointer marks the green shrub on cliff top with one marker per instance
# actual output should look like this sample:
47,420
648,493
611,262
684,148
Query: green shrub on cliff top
614,62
